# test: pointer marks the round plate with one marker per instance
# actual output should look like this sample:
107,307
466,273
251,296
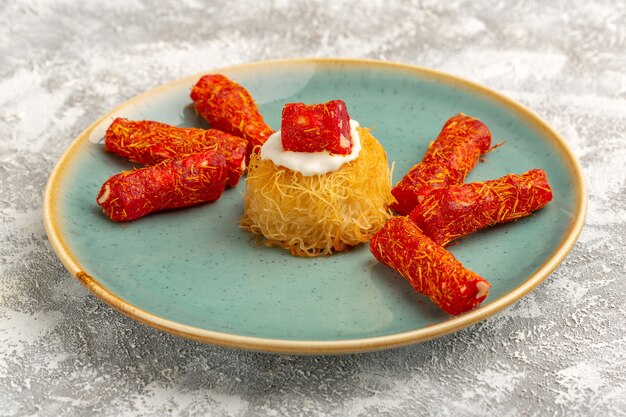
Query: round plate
194,273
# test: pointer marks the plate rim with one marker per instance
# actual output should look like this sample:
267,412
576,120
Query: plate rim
317,347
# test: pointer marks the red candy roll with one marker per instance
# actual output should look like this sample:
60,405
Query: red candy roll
448,160
431,270
149,143
316,127
174,183
456,211
229,107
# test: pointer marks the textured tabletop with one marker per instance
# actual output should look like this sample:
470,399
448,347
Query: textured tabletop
560,350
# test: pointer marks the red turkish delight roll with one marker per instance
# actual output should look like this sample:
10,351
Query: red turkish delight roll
229,107
448,160
316,128
431,270
149,143
456,211
174,183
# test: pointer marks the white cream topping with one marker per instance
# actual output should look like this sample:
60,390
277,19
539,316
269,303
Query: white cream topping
310,163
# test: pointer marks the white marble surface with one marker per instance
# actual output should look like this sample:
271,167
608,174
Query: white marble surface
559,351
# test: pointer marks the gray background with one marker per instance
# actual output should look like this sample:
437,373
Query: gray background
561,350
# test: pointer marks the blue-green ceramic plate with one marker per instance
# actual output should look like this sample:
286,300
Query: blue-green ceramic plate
194,273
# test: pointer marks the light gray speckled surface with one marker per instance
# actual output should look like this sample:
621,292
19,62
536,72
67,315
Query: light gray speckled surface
561,350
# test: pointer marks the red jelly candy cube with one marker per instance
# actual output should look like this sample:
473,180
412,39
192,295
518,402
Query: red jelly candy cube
316,128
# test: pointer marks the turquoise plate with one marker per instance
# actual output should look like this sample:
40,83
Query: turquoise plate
194,273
